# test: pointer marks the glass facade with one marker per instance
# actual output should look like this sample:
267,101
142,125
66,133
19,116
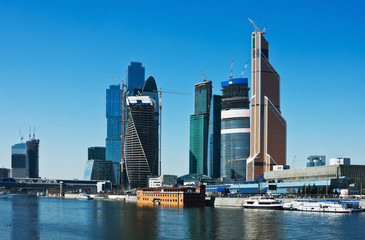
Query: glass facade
96,153
198,153
235,129
113,151
99,170
198,144
135,75
214,135
33,157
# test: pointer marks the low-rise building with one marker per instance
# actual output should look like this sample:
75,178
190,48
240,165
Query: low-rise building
172,196
162,181
340,161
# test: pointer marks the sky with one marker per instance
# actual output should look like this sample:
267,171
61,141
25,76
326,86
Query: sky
56,58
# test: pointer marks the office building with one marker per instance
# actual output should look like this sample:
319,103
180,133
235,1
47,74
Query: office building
163,181
214,138
141,141
268,127
199,129
316,161
96,153
340,161
32,149
135,75
113,141
4,172
235,129
25,159
97,168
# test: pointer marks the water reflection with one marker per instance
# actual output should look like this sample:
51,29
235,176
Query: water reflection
25,217
263,224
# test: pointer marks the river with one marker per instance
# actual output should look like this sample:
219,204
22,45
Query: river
31,217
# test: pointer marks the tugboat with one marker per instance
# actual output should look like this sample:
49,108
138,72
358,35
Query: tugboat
263,202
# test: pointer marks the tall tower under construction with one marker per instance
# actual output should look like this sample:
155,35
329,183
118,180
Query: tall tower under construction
268,127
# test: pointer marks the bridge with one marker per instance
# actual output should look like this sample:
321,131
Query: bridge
60,184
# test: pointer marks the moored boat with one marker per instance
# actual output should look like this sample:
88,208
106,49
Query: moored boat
263,202
318,206
83,196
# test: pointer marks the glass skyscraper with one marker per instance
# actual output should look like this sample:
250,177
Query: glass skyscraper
235,129
113,151
214,137
198,151
135,75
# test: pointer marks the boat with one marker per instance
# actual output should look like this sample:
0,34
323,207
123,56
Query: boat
83,196
318,206
263,202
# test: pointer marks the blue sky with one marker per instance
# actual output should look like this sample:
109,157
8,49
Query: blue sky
56,58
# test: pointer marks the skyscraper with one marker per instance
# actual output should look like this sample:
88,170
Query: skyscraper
135,75
235,130
268,127
114,127
25,159
19,160
141,141
199,129
32,148
214,138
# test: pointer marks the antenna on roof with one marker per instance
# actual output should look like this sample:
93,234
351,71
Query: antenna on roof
34,132
20,134
230,74
29,132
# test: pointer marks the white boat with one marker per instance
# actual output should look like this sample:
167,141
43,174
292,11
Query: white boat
83,196
265,202
317,206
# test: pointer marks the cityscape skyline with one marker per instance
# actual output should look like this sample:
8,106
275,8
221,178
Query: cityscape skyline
49,65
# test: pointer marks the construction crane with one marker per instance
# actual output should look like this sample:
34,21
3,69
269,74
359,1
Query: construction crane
256,28
160,120
230,74
122,131
235,166
204,78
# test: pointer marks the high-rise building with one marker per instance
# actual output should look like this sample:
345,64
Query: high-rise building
4,172
268,127
32,148
96,153
316,161
199,129
113,150
19,160
97,168
235,130
141,141
135,75
25,159
214,138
